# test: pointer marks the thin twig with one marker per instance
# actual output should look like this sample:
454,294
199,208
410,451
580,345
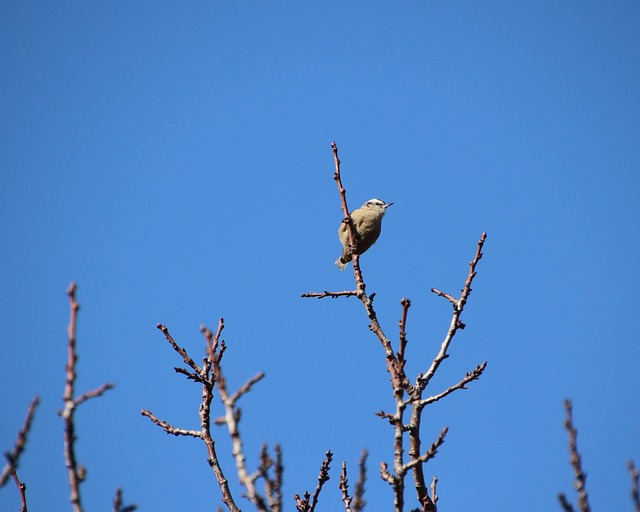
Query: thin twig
22,488
469,377
323,477
308,503
458,308
576,461
344,488
208,379
232,419
564,503
359,501
272,485
326,293
405,393
434,494
118,505
635,493
76,472
431,453
13,457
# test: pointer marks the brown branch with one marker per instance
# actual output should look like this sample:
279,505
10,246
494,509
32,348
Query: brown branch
246,387
232,418
13,457
386,475
208,380
635,493
344,488
76,472
170,429
22,488
94,393
308,503
273,486
118,505
564,503
402,324
433,450
458,308
359,501
434,494
396,367
322,478
576,461
178,349
469,377
333,295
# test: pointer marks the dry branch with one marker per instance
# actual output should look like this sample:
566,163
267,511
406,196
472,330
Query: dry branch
635,493
22,488
344,488
359,502
13,457
308,503
207,378
76,472
405,393
118,505
576,462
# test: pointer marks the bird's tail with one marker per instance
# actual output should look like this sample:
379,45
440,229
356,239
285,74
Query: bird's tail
340,264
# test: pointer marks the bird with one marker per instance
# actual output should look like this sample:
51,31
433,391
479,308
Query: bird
367,221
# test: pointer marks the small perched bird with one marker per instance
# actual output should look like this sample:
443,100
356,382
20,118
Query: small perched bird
367,221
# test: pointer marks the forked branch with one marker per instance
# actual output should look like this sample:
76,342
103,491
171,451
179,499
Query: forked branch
76,472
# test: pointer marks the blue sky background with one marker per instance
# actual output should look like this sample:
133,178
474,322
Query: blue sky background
175,161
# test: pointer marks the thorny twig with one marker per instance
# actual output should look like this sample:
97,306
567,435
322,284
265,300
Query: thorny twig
13,456
76,472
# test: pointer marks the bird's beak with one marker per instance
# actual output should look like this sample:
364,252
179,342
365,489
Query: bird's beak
387,205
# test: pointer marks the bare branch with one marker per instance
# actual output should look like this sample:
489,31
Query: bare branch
13,457
576,461
189,362
170,429
469,377
94,393
333,295
322,478
404,392
433,450
273,486
344,488
76,472
458,308
232,418
434,494
635,494
564,503
118,505
359,501
22,488
246,387
208,379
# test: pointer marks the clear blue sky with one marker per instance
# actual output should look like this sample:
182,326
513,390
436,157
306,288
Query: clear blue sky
175,161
